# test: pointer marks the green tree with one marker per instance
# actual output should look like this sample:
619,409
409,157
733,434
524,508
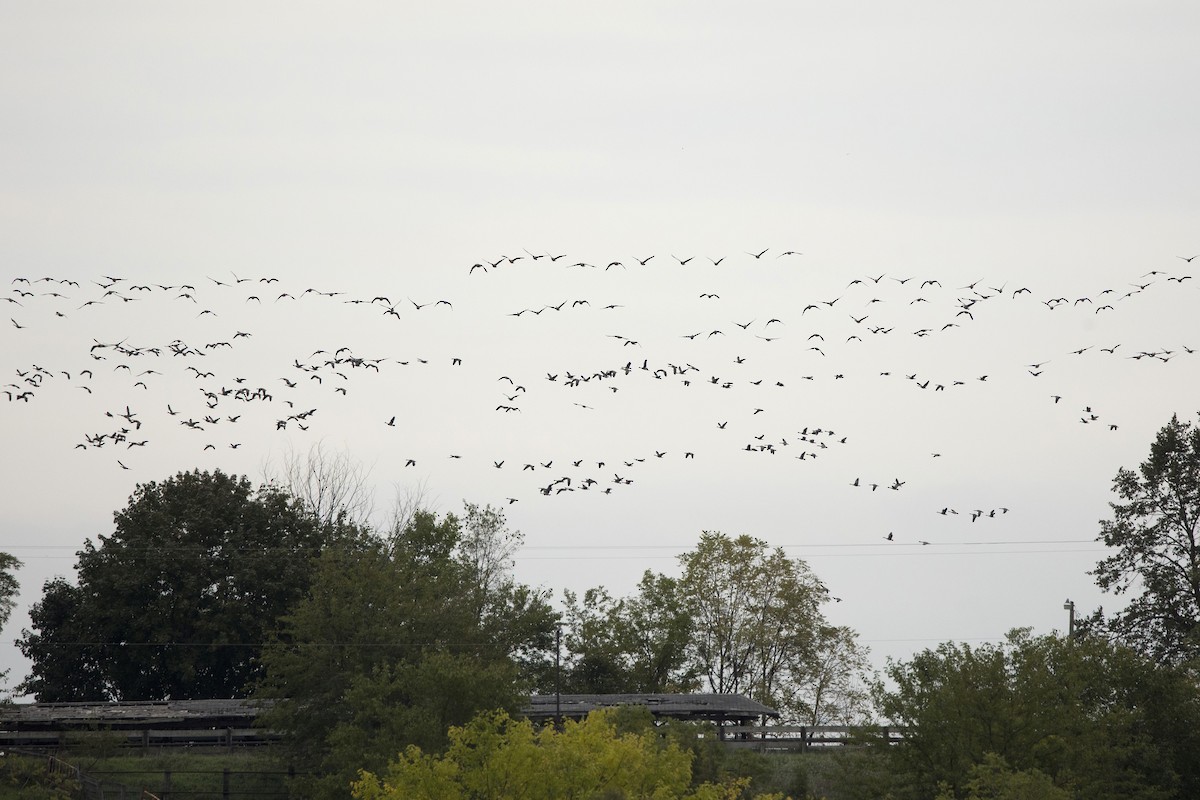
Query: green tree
598,662
829,683
755,613
9,588
1098,719
1156,562
658,633
511,617
634,644
178,601
994,779
742,618
69,664
495,757
400,638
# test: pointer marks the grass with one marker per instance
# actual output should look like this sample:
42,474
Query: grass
194,774
23,778
258,774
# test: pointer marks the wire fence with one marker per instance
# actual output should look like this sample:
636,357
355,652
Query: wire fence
167,784
222,784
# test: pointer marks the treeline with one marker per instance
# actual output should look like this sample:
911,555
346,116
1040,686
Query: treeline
385,650
369,641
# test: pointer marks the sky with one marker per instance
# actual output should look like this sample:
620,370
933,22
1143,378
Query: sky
815,273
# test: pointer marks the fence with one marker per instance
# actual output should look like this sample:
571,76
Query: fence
99,784
802,738
145,738
224,785
78,782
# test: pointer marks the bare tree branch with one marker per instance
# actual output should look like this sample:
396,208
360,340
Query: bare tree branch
332,484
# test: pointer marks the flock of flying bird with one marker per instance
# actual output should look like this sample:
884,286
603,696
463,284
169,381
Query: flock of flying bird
217,383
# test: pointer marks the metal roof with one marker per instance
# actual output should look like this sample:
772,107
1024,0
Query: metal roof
193,713
681,706
127,714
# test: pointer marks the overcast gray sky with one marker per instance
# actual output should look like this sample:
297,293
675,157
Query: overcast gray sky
946,156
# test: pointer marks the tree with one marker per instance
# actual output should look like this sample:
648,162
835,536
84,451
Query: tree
400,638
9,564
742,618
333,486
658,634
487,547
1097,718
634,644
1157,558
178,601
597,660
496,757
994,779
755,612
829,681
68,663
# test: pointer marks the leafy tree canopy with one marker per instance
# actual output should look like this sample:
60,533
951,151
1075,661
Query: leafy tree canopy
634,644
1097,719
1156,562
742,618
178,601
757,615
400,638
994,779
9,564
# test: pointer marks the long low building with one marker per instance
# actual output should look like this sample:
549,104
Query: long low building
231,722
158,723
721,709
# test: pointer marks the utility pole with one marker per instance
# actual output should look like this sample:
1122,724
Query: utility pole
1070,607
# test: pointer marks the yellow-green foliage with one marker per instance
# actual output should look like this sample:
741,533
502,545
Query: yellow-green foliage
496,757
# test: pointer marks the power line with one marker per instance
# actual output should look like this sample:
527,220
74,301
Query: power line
291,646
200,550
